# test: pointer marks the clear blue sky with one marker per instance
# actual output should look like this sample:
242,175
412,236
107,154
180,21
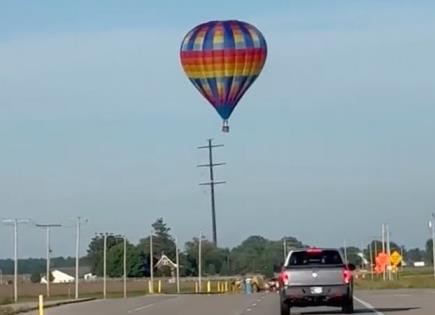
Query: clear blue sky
97,119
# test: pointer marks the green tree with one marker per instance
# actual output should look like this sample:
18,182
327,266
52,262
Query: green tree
415,254
96,251
211,256
258,255
115,261
163,243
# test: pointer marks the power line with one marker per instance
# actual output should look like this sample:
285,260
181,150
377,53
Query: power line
212,182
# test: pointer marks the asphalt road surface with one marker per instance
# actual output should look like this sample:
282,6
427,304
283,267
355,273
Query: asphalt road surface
397,302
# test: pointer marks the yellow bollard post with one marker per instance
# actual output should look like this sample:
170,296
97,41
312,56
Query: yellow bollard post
41,305
196,287
150,287
159,288
208,286
226,286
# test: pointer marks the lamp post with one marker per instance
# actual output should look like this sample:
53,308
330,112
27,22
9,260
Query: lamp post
200,262
125,267
177,261
47,228
78,225
432,227
15,223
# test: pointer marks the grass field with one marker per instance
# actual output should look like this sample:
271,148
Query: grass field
408,278
135,287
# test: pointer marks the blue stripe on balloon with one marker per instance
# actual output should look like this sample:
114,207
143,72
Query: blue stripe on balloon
249,43
228,36
208,40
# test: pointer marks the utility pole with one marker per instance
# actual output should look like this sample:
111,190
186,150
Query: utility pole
432,227
15,223
105,266
212,182
383,247
125,267
177,261
47,230
284,244
371,259
151,263
200,262
78,225
387,229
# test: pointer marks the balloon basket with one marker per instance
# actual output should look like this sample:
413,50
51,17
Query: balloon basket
225,127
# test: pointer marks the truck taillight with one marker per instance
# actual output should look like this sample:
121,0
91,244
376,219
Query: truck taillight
347,276
283,278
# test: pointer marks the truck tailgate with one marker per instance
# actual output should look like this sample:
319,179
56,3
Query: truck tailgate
315,276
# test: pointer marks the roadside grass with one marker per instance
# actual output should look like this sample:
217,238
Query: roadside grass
6,311
402,281
113,292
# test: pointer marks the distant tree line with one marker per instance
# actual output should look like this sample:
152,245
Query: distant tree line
36,265
256,254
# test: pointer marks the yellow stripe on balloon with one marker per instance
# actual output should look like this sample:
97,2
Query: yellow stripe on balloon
221,73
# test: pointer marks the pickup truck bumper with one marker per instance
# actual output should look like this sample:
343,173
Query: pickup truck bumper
302,296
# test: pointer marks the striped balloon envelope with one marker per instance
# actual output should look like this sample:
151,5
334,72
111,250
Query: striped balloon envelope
222,59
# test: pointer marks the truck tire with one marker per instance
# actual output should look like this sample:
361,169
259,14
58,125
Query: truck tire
285,308
347,307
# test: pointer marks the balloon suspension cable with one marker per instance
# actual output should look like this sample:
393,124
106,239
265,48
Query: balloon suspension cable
225,126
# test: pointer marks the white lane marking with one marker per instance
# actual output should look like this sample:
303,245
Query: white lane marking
248,309
254,304
402,295
368,305
140,308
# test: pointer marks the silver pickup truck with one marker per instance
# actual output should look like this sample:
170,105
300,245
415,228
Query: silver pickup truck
316,277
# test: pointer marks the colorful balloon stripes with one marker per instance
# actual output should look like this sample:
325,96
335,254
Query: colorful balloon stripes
222,59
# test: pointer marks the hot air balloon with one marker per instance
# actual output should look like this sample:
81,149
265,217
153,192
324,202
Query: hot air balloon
222,59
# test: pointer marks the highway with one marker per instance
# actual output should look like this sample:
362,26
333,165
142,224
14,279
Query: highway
410,302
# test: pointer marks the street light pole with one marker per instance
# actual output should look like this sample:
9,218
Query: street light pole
47,231
151,263
200,262
432,226
125,267
104,265
78,224
177,261
390,275
284,244
383,246
15,223
371,260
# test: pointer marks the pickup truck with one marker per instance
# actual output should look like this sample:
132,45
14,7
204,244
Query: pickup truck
316,277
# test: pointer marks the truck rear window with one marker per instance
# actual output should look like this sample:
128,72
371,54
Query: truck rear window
316,257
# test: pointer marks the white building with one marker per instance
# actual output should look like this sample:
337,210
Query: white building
67,275
58,277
